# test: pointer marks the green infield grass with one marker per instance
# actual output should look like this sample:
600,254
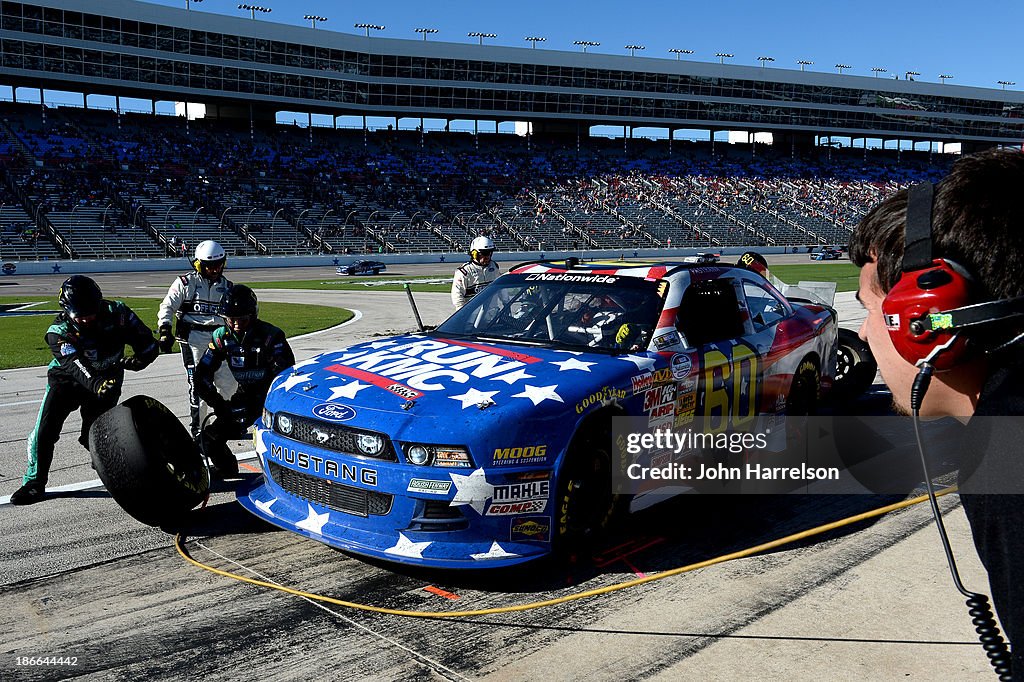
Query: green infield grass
22,344
844,274
359,283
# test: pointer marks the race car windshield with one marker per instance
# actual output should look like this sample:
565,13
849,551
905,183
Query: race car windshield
562,310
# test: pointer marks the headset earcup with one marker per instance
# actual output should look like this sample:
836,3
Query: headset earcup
939,288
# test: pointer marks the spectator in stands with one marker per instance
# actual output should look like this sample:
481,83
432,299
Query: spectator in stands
473,276
195,300
87,339
975,213
255,352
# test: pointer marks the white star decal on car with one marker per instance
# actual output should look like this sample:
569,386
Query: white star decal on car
474,397
495,552
513,377
349,390
408,548
640,361
294,380
573,363
258,444
314,523
473,490
265,506
539,394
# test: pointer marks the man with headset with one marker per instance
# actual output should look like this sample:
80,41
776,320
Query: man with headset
944,314
195,299
473,276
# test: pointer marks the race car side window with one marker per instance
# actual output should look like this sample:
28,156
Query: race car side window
710,312
764,307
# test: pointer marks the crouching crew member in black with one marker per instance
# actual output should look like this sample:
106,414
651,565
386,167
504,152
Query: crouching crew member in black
255,351
87,339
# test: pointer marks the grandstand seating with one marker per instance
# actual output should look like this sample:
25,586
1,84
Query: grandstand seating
138,186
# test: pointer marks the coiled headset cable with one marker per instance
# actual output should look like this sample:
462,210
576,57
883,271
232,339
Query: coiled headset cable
979,608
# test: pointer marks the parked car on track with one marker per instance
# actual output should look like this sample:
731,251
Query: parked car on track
362,267
486,441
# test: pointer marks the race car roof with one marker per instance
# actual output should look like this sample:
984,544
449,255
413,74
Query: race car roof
641,269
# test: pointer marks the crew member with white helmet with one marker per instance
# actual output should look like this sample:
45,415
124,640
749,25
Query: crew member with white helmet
476,274
195,299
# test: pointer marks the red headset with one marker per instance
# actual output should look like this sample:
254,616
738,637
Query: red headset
931,301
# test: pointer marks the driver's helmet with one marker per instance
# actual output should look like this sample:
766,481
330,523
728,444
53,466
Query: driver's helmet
81,300
240,308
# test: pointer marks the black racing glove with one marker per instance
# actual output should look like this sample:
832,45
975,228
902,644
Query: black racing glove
166,340
133,363
107,387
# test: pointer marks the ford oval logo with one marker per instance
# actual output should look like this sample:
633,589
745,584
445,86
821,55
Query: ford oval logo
334,413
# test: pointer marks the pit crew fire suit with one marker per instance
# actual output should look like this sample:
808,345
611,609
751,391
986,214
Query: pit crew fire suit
470,278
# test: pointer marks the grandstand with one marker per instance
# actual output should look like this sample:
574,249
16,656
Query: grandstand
95,184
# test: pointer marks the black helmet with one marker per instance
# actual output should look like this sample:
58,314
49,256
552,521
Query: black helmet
240,301
80,298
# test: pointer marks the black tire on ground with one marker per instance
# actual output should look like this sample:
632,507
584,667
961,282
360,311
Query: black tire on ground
148,461
855,366
805,391
586,503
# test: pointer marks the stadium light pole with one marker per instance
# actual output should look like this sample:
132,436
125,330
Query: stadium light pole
943,77
1005,83
481,36
195,216
367,27
345,224
103,218
679,53
877,70
253,9
425,32
320,230
272,220
722,56
909,75
187,8
765,60
803,63
840,67
313,18
220,223
535,40
585,44
167,215
633,48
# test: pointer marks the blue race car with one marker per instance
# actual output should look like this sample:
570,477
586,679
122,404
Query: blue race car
486,442
827,254
362,267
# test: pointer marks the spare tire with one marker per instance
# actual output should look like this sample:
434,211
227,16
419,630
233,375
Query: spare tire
855,366
148,461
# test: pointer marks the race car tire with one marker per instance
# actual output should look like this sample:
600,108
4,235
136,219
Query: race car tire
148,461
855,366
585,501
805,391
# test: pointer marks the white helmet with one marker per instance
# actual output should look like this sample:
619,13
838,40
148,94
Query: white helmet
481,245
209,254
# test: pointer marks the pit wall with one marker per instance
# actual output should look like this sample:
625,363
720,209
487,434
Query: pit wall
75,267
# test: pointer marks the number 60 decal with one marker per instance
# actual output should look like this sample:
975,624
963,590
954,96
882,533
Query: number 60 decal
732,385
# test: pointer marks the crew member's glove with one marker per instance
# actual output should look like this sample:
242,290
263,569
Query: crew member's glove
166,341
132,363
107,387
220,407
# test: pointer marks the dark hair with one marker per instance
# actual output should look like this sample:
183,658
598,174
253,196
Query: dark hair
977,221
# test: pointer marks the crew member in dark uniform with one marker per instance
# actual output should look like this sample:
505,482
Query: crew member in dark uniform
87,339
255,351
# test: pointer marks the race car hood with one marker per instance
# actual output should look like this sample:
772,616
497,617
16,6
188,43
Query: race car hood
438,390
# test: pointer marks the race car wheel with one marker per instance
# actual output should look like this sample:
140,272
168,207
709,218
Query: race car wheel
148,461
585,500
855,366
805,391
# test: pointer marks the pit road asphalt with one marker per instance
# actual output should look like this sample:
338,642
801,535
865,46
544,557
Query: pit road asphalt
79,578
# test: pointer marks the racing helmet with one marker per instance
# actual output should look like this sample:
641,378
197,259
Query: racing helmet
209,256
240,308
81,300
481,246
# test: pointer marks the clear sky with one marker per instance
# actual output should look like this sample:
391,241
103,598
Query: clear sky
972,41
